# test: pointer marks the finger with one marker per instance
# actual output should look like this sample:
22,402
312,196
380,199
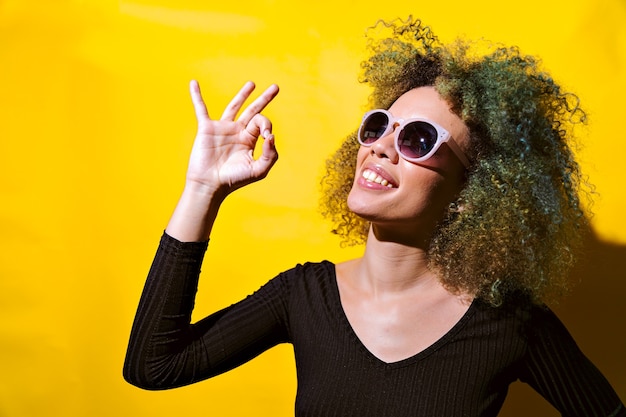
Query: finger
231,110
267,159
198,102
259,126
259,104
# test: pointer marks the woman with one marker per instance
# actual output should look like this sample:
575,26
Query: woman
465,191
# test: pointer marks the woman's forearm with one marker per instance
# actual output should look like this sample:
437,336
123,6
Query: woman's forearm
194,215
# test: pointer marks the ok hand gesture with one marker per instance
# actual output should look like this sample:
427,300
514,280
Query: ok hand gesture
222,160
222,157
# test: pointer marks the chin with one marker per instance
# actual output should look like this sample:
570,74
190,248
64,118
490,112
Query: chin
356,204
364,210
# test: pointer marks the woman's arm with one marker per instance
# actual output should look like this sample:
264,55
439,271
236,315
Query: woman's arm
557,369
165,350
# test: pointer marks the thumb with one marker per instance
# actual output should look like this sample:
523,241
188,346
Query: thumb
268,157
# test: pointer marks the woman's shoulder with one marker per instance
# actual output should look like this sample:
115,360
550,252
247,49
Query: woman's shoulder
520,311
308,289
307,274
311,269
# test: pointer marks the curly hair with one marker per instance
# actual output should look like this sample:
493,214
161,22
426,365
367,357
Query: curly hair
518,223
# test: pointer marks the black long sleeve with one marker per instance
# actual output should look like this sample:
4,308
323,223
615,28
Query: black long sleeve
165,350
465,373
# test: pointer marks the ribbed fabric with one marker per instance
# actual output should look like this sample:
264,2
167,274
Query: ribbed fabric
465,373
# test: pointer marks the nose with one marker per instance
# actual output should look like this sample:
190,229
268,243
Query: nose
385,146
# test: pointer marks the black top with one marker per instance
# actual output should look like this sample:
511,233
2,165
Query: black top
465,373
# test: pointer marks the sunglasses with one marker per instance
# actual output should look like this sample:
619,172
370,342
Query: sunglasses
416,140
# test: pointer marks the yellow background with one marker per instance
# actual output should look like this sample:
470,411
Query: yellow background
95,129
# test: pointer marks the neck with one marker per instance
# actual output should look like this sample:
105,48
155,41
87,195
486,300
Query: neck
394,266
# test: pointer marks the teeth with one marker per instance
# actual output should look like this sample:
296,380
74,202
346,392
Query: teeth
371,176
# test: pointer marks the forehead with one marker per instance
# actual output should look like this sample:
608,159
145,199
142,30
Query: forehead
425,102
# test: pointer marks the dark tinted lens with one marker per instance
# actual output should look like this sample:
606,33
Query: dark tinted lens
417,139
373,127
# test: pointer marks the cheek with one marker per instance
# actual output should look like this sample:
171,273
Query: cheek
433,187
362,153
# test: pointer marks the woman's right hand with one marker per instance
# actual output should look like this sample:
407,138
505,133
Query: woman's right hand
222,158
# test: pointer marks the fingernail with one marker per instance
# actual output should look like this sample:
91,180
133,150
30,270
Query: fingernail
267,134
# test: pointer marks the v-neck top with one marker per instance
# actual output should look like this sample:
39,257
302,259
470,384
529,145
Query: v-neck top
343,320
466,372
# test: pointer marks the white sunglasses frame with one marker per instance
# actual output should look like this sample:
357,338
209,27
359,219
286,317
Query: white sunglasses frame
397,125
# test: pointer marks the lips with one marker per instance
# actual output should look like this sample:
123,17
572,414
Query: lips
376,175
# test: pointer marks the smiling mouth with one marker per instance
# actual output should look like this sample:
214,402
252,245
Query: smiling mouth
371,176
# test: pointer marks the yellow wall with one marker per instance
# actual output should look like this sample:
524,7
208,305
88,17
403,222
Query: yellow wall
95,129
